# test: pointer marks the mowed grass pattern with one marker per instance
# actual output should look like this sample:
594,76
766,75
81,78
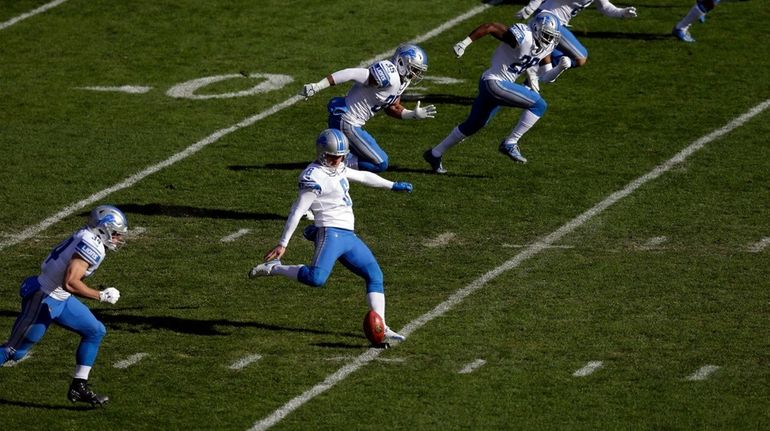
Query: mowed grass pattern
652,315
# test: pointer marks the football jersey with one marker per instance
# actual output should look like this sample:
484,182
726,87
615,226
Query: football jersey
363,101
509,62
567,9
82,243
332,206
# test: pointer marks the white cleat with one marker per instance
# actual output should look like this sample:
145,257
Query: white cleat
393,335
263,269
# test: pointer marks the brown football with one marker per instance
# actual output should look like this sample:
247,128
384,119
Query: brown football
374,327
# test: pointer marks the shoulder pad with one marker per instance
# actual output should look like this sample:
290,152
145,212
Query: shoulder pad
88,252
519,33
383,72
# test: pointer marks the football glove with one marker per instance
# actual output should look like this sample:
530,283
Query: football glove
308,90
402,187
460,46
110,295
629,12
419,113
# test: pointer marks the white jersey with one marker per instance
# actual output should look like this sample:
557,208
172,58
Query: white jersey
565,10
332,206
509,62
363,101
326,194
82,243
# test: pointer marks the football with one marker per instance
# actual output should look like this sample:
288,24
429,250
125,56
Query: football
374,328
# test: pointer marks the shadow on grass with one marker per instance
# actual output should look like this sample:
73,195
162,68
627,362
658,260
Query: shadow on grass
29,405
155,209
213,327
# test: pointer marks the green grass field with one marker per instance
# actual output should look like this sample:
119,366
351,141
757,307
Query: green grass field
670,278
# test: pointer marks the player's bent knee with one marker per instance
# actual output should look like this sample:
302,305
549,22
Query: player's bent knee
313,276
539,107
95,333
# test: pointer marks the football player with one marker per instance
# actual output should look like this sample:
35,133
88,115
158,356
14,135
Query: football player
521,48
697,12
50,297
376,88
565,10
324,190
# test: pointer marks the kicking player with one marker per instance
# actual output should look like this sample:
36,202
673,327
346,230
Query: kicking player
48,297
522,47
323,189
376,88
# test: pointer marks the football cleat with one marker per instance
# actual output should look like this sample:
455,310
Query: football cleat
263,269
80,391
682,34
512,151
434,162
393,335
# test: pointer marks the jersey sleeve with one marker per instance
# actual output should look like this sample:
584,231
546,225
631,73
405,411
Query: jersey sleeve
368,179
382,72
518,32
88,251
308,183
298,209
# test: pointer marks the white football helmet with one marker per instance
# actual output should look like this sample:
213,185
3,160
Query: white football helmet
334,143
411,62
109,224
545,29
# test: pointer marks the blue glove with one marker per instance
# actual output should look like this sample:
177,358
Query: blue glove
402,187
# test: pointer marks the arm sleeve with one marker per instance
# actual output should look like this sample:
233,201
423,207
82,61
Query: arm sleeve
368,179
608,9
534,4
300,207
358,74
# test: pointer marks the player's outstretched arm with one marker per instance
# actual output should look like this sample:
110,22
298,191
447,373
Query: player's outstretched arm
610,10
496,29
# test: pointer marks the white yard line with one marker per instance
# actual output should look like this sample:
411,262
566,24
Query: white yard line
757,247
515,261
131,360
588,369
703,373
31,13
654,243
130,181
245,361
473,366
233,236
440,240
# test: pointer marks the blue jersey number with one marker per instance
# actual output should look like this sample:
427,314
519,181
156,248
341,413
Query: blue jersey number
525,63
346,187
59,248
389,101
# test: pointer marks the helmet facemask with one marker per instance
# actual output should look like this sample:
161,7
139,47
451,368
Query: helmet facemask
333,143
411,62
545,30
110,225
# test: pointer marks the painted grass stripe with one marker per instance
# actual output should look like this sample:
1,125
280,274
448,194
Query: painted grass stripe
473,366
31,13
131,360
588,369
757,247
703,373
525,254
385,360
233,236
654,242
440,240
130,181
244,362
